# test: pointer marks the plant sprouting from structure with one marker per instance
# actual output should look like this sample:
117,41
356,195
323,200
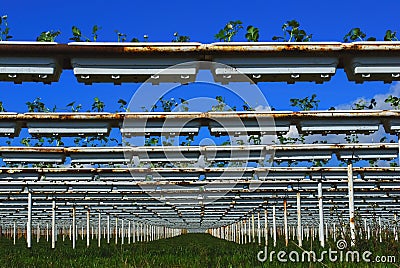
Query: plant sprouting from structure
98,105
230,30
252,34
4,29
364,104
48,36
356,34
292,32
394,101
180,38
306,104
79,37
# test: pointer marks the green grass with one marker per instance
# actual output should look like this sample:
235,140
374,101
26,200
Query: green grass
191,250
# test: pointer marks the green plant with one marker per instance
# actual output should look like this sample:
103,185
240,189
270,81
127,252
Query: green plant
291,28
364,105
2,110
98,105
38,106
49,36
122,106
390,36
356,34
4,29
252,34
74,108
121,37
229,31
306,103
394,101
151,142
78,37
180,38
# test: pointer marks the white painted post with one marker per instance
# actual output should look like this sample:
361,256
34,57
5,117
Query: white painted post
73,227
299,238
108,229
380,230
47,232
334,232
253,232
15,232
285,222
99,231
37,233
88,228
29,223
122,232
53,225
321,215
266,226
129,232
274,224
258,228
116,230
351,203
395,227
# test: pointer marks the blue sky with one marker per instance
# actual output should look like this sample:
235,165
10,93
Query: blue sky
326,20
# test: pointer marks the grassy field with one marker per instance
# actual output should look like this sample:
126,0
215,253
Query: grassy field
190,250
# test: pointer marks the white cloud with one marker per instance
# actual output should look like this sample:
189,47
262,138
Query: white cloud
379,98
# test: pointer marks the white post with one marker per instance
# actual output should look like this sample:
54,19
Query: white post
274,224
88,228
29,223
108,229
299,238
53,225
73,226
122,232
15,232
321,215
334,232
129,232
266,226
37,233
116,230
380,229
99,231
395,227
253,232
47,232
285,223
351,203
258,228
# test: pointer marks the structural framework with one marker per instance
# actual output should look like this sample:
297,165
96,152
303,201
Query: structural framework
151,192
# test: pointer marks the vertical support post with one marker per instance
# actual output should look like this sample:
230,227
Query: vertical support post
266,226
37,233
88,228
116,230
108,229
274,224
122,232
351,203
73,227
299,234
29,223
285,223
334,232
258,228
253,231
129,232
53,225
321,215
15,232
99,231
